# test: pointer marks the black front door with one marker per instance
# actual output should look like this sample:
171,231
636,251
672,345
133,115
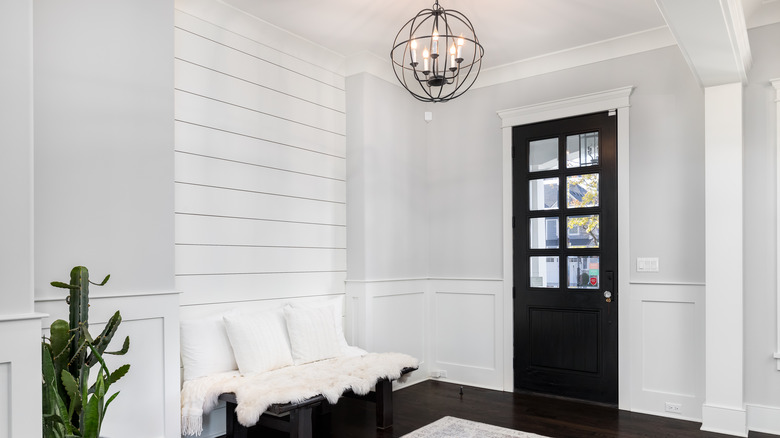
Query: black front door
565,257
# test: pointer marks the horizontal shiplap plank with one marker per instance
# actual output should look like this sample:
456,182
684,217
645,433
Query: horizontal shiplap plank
207,230
214,143
257,306
213,201
202,111
207,53
199,289
195,260
200,170
205,82
258,49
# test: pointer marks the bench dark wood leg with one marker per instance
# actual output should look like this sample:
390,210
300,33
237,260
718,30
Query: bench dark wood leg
233,428
322,420
384,404
301,423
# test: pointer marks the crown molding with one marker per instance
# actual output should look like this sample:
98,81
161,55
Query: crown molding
625,45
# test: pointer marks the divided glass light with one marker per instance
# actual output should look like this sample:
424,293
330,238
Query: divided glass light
436,55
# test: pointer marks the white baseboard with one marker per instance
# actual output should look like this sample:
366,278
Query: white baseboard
764,419
725,420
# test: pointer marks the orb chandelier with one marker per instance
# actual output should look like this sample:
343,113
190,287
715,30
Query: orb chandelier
436,55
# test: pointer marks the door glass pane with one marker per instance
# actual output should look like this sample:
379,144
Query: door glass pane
582,150
543,155
543,232
582,231
544,272
583,272
582,190
543,194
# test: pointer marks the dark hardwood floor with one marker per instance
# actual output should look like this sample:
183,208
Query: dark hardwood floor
426,402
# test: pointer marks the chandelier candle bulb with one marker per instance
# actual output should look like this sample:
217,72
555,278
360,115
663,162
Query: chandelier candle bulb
452,57
425,60
413,45
460,47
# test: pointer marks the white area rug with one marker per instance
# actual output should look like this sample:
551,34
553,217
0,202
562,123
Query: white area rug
451,427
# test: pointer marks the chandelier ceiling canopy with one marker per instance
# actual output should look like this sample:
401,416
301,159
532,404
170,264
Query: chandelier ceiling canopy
436,55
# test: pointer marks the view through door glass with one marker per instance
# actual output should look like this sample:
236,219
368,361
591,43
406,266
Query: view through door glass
565,257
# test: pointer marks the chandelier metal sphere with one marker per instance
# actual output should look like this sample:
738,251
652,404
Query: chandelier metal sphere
436,55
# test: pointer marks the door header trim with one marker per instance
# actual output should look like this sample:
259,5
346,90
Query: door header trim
568,107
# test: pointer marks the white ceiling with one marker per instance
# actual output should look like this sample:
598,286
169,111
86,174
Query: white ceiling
509,30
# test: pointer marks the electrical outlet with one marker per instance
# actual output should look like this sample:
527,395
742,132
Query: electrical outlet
674,408
437,374
443,374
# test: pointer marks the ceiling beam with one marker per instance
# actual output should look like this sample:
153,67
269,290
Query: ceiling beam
712,36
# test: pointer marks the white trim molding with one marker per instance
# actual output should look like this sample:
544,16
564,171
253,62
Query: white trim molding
568,107
776,85
615,99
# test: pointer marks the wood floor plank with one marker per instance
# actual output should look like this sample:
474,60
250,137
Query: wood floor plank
426,402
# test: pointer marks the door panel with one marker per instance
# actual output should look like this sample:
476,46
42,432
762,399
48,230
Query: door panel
565,186
574,334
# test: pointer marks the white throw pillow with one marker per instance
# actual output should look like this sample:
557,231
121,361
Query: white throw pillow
337,304
312,333
205,347
259,340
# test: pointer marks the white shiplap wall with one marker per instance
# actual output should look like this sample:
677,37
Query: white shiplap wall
260,161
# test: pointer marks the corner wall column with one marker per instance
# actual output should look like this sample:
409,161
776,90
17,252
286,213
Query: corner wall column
20,327
724,408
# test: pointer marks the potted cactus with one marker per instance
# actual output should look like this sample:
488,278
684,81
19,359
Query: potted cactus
72,407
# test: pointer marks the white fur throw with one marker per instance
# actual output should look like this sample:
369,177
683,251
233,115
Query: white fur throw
256,392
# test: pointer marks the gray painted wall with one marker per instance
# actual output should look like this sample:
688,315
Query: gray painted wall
387,216
104,143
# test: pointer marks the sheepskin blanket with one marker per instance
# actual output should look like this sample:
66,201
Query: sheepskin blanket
292,384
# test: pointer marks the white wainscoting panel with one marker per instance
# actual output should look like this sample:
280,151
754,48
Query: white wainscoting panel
667,339
150,390
468,331
390,316
398,323
670,344
465,330
20,375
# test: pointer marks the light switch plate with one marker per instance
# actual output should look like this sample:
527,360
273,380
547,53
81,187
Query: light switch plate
647,264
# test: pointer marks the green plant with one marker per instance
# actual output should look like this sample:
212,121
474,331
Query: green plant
72,407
